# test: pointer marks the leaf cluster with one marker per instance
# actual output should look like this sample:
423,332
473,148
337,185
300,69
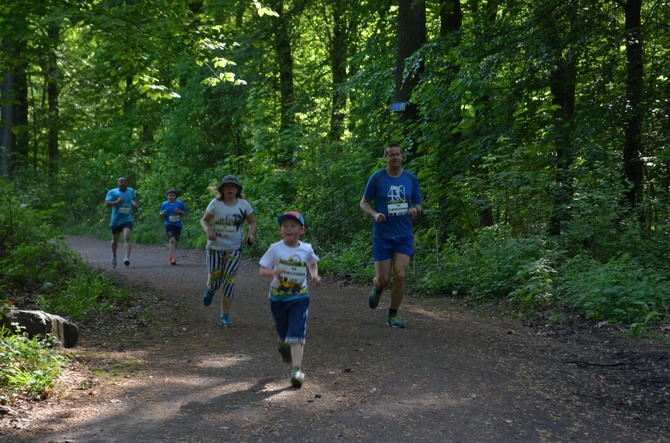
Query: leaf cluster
28,366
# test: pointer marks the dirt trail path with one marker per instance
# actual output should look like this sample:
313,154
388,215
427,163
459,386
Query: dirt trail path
451,376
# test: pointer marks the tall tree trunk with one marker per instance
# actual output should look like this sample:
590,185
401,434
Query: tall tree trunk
451,17
53,92
411,37
632,153
451,24
562,84
7,137
338,66
281,42
14,112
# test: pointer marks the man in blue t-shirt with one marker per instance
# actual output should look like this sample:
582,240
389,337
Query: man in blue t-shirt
122,200
392,197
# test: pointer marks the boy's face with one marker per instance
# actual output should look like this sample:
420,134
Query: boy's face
290,230
172,197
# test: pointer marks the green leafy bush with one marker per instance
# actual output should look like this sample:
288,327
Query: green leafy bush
28,364
351,261
490,266
38,270
620,291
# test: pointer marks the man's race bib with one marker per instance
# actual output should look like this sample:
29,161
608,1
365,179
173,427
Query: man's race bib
396,208
174,218
293,273
124,210
225,230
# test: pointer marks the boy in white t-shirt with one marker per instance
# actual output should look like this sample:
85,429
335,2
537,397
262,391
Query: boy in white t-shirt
288,262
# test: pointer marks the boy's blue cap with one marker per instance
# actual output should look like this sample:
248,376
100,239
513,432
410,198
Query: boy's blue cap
291,214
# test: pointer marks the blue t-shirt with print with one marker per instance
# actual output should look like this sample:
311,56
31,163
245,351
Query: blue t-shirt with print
122,213
393,197
172,219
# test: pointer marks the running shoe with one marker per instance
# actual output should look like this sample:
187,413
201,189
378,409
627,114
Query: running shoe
207,297
113,261
225,321
297,377
126,261
374,298
395,322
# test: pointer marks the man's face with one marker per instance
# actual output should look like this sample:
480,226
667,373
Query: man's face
122,183
172,197
394,157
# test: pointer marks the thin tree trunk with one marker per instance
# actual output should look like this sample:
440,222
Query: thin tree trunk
338,66
632,154
411,37
53,92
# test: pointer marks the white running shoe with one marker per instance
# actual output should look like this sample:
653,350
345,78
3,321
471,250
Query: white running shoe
297,378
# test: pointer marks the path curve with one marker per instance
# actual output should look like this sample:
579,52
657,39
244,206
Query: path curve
451,376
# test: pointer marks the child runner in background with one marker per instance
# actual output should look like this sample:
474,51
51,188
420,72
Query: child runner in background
222,223
287,263
172,211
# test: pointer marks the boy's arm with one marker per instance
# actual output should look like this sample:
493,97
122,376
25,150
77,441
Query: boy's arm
269,273
314,272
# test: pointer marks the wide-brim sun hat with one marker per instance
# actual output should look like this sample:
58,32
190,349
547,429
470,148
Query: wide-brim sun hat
291,214
230,179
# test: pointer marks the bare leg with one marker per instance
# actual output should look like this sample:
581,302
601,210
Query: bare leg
296,355
400,265
115,243
127,245
173,246
382,274
226,303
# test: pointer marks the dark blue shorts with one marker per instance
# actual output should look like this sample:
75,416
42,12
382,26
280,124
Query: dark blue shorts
384,248
119,229
290,319
173,231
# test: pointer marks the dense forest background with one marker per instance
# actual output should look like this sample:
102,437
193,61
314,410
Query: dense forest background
538,129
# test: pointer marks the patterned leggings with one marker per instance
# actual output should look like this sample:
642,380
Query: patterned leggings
222,270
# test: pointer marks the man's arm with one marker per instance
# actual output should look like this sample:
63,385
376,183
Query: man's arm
110,203
368,209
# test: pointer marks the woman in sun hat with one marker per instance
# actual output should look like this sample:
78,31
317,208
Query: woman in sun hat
223,224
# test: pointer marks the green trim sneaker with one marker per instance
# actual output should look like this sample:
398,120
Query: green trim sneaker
374,298
225,321
285,351
297,377
395,322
